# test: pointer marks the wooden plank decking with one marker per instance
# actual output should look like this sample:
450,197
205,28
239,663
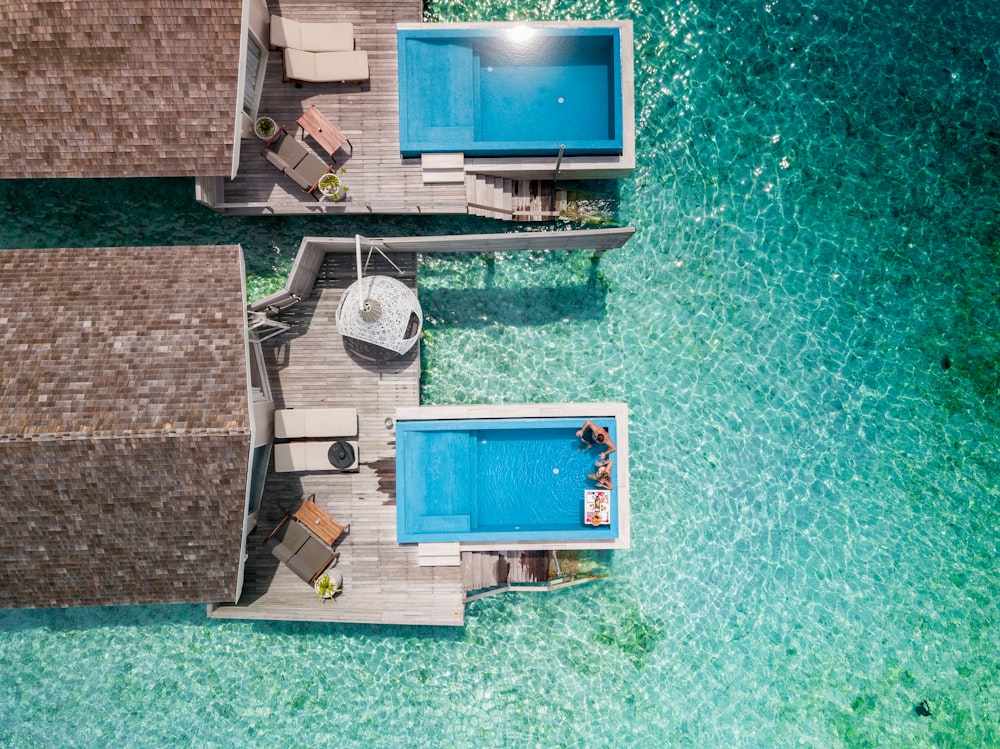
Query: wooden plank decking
383,583
380,181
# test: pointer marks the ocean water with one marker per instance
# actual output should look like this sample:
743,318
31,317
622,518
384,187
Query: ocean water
806,327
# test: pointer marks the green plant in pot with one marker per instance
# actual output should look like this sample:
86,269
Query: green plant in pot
265,127
333,186
326,588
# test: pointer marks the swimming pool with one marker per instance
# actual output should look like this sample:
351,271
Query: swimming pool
513,90
496,480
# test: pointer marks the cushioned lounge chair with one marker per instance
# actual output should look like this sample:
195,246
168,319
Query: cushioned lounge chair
302,553
311,37
297,162
296,423
337,455
326,67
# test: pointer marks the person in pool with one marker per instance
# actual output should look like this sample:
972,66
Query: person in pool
591,434
602,475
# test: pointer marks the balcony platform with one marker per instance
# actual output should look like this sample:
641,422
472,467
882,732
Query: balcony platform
380,181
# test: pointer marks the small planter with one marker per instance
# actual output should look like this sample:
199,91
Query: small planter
331,186
265,128
329,585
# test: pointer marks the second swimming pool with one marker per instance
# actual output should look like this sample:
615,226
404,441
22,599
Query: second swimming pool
496,480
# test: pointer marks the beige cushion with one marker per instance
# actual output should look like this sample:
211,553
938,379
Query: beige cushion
286,153
307,456
307,173
288,539
311,37
289,456
322,67
291,423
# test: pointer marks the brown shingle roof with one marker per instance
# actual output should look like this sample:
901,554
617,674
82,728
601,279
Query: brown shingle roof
118,88
124,425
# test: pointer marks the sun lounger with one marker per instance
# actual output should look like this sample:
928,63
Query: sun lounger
294,423
297,162
336,455
326,67
311,37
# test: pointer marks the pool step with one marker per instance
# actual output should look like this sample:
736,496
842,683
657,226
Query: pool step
513,199
442,168
438,555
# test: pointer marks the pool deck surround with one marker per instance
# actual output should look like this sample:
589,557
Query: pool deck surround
577,411
379,179
308,367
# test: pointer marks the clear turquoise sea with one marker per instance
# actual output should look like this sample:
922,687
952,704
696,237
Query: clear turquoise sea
806,326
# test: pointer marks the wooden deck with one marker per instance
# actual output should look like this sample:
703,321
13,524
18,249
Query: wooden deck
308,366
380,181
383,582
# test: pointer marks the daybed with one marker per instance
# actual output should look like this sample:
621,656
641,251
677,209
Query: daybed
336,455
311,37
326,67
293,423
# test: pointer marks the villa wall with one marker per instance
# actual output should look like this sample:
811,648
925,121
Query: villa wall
258,22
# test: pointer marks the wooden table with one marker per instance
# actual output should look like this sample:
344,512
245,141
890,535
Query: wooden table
322,131
312,517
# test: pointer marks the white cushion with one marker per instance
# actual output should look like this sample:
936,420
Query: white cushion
322,67
327,37
289,456
315,422
308,456
311,37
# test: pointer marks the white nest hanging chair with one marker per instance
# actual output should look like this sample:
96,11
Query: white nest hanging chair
378,316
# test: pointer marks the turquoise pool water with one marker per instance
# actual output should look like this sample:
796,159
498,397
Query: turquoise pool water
496,480
512,92
805,328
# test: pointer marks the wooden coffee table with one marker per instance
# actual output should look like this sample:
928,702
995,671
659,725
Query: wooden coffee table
312,517
322,131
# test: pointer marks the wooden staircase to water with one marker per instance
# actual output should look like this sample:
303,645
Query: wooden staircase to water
513,199
484,570
486,573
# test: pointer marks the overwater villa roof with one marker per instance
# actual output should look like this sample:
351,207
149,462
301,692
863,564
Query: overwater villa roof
124,425
118,88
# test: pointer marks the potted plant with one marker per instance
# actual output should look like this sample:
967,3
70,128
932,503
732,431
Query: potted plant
265,128
327,588
331,185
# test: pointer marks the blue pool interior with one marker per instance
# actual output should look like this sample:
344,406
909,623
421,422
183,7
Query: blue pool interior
486,92
496,480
